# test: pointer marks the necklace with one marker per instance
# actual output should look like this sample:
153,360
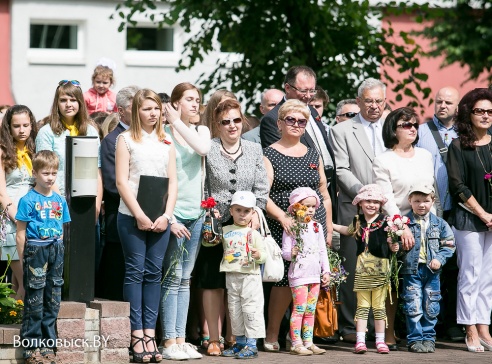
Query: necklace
488,175
230,153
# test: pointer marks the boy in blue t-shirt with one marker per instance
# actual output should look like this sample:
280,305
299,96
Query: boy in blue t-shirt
40,217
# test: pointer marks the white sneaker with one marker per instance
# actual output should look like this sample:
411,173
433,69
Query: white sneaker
174,352
190,350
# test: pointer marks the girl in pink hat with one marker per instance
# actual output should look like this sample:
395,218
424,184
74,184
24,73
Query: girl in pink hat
372,272
309,267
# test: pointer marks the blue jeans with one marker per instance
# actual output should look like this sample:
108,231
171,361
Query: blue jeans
144,252
43,281
421,296
177,267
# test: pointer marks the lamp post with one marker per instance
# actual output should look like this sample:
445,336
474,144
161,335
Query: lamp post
79,236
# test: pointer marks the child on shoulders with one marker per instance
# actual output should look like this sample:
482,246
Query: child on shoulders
99,97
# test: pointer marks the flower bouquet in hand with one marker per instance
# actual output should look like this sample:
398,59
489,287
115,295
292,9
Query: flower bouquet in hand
299,226
211,228
338,274
395,229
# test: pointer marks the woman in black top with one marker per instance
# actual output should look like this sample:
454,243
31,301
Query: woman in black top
470,183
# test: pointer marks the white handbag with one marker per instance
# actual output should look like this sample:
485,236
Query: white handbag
273,268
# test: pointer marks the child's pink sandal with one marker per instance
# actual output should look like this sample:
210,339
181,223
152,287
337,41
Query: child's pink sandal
360,348
382,348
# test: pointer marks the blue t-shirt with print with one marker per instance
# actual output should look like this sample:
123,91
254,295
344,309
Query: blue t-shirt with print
45,215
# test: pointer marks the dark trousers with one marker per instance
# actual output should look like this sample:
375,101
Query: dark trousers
43,281
144,252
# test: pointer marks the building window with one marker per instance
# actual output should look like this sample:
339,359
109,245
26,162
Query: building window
150,39
53,36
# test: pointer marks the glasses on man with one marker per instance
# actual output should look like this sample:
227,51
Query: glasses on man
231,121
407,125
73,82
303,92
290,121
481,112
349,114
370,102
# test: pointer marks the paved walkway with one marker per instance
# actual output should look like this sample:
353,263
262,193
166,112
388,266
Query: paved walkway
446,352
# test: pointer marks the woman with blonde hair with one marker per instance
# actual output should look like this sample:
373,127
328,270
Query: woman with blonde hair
144,150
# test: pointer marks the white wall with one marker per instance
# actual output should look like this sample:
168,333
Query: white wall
36,72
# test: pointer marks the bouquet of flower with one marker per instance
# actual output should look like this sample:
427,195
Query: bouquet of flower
4,217
395,228
208,203
299,226
338,274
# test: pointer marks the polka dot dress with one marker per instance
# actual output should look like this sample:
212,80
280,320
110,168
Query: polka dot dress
290,173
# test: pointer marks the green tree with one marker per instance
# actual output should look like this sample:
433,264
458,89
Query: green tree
340,40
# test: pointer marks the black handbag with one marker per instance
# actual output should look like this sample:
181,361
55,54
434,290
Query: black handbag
212,226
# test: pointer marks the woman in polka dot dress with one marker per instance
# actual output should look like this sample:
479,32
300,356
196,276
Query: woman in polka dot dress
290,164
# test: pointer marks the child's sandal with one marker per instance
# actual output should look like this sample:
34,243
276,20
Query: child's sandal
204,341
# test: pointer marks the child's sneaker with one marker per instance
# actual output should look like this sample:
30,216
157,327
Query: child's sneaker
247,353
174,352
417,347
300,350
232,351
429,345
190,350
315,350
382,347
360,348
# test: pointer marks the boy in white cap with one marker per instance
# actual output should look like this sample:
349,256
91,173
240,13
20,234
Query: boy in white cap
434,245
244,251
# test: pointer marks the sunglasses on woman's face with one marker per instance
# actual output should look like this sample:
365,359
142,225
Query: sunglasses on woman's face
231,121
481,112
290,121
73,82
407,125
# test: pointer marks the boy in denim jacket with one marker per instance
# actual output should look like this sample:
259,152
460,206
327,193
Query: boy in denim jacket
434,245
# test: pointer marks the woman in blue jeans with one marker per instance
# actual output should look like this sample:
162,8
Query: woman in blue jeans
192,143
144,149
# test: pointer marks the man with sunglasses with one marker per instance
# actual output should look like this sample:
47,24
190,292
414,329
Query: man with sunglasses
300,84
356,142
346,109
435,136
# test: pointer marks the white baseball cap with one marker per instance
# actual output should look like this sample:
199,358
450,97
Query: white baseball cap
244,198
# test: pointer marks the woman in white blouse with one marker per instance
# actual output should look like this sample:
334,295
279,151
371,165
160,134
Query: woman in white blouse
396,170
144,150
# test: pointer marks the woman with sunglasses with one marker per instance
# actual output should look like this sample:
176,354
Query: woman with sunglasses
192,143
290,164
402,164
469,168
233,164
17,135
68,117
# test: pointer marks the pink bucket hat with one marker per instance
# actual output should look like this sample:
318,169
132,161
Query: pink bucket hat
300,194
370,192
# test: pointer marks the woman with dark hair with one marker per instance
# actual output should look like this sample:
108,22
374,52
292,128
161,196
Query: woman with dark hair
233,164
470,183
396,170
17,135
403,164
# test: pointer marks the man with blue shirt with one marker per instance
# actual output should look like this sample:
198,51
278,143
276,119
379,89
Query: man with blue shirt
442,127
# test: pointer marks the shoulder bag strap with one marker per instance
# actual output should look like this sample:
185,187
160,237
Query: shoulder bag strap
443,150
207,178
264,230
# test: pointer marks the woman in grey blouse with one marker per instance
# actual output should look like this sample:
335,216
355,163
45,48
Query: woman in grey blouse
233,165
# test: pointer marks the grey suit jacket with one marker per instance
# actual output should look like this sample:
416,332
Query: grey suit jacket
354,157
253,135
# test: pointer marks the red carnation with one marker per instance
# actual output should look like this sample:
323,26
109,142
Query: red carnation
208,203
313,166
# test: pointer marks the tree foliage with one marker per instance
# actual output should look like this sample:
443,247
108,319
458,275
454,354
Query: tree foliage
341,40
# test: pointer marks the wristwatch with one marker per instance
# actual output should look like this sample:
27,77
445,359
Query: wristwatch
169,219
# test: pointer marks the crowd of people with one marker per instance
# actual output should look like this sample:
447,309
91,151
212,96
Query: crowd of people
379,187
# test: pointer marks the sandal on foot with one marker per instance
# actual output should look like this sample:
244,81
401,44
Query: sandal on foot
139,357
315,350
213,348
382,347
271,347
222,343
300,350
204,341
156,355
360,348
247,353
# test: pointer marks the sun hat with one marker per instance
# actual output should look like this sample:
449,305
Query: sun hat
244,199
300,194
422,187
370,192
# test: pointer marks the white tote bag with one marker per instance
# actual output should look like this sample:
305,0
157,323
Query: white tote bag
273,269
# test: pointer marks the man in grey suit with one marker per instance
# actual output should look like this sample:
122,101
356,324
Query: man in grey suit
355,144
269,99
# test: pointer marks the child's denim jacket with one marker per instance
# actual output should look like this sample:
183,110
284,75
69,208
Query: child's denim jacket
440,243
